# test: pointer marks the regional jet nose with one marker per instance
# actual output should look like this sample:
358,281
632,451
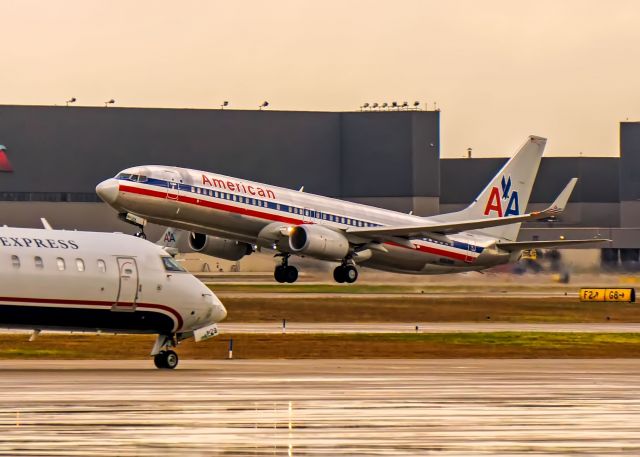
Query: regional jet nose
108,190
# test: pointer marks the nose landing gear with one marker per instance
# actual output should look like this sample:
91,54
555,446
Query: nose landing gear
166,359
163,355
135,221
285,272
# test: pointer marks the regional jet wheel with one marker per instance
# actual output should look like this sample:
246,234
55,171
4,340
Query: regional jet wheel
291,274
170,360
279,274
339,274
350,274
159,360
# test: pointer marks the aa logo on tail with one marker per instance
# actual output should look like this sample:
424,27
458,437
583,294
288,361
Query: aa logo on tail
503,200
169,237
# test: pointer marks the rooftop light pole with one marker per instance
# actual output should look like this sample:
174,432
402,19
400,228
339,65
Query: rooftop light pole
71,100
109,102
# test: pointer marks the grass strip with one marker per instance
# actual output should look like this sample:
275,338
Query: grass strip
338,346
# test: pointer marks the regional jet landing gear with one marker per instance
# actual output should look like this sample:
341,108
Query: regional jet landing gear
163,356
285,272
345,273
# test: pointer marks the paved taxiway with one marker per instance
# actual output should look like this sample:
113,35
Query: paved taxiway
321,407
431,327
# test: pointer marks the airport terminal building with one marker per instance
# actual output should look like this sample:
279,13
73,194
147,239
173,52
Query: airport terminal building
56,155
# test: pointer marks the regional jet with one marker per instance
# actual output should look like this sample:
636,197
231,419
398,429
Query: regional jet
102,282
230,218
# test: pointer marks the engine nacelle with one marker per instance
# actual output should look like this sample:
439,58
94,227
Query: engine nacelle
319,242
219,247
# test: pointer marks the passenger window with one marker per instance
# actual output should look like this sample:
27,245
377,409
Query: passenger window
39,262
60,263
170,264
80,264
102,266
15,261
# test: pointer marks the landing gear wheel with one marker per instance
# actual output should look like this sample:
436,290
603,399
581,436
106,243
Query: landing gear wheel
290,274
171,360
158,360
350,274
279,274
166,359
345,273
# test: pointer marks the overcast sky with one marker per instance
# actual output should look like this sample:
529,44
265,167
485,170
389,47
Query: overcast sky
499,70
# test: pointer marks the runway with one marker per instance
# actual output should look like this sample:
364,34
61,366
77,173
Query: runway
321,407
431,327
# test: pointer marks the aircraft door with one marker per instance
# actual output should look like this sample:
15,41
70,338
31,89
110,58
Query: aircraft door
173,184
128,284
471,252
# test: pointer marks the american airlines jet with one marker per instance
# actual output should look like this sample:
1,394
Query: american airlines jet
230,218
110,282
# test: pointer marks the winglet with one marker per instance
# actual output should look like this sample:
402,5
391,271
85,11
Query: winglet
562,199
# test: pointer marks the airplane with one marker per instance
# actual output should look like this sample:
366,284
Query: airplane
230,218
102,282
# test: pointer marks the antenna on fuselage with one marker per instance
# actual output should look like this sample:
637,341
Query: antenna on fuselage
301,189
45,224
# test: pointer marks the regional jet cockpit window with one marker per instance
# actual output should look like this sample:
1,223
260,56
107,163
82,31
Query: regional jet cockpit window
171,265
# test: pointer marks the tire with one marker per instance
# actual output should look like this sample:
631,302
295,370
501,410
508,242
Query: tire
338,274
171,360
350,274
159,360
279,274
290,274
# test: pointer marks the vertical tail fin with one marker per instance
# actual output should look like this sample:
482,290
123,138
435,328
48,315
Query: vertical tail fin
170,239
508,192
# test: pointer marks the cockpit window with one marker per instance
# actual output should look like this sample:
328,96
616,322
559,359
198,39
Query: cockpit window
170,264
132,177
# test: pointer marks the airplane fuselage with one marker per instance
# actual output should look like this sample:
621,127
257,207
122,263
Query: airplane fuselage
244,211
86,281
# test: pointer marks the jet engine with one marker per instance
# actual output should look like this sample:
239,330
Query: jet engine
219,247
318,242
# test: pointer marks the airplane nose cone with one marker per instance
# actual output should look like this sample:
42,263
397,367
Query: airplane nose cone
220,310
108,191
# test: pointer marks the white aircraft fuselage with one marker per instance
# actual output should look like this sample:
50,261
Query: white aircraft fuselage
254,213
89,281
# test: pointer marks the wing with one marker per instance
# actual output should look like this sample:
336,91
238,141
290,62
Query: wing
449,227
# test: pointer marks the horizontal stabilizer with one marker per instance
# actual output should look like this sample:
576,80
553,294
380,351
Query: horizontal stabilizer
520,245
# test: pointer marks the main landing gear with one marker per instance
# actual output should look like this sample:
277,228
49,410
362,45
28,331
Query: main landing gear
345,273
285,272
163,355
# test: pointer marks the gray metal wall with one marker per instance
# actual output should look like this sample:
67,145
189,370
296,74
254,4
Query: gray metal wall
348,155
